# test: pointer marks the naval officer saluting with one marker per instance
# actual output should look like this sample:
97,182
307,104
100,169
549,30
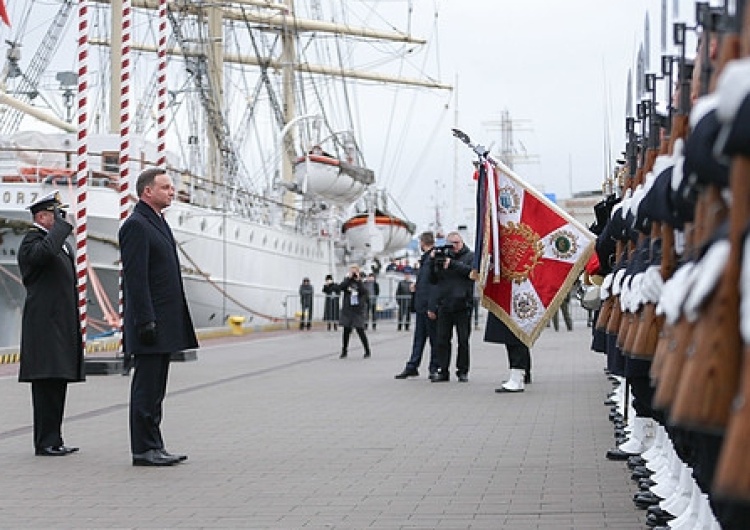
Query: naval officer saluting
51,343
157,320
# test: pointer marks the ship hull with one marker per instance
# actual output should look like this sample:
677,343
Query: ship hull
231,265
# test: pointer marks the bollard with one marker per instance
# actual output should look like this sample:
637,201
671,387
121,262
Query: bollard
235,324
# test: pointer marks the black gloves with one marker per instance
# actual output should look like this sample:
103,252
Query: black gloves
59,213
147,334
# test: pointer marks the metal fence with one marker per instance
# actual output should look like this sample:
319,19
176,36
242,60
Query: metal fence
387,311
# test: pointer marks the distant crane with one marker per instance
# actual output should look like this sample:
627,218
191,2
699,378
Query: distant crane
28,84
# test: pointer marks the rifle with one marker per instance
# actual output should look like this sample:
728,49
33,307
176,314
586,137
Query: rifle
732,478
711,373
650,324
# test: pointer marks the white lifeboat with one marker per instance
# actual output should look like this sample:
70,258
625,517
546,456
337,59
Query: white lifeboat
332,179
377,233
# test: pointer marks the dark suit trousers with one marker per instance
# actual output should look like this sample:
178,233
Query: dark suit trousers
446,321
424,330
519,357
48,401
147,391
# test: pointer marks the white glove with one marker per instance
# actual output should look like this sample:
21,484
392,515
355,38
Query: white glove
652,284
604,290
617,282
625,294
710,268
702,106
626,198
636,293
674,292
732,88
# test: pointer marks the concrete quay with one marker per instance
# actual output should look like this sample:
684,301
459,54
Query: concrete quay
282,434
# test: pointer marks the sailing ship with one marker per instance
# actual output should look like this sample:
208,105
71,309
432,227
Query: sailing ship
265,179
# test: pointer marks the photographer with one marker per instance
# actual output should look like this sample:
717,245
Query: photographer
353,310
451,302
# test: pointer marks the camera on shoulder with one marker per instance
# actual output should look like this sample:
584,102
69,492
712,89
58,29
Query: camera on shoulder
441,253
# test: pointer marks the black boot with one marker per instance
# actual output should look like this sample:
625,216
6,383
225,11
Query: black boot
343,353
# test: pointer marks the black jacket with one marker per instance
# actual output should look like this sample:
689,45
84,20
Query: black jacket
51,344
453,288
423,287
152,285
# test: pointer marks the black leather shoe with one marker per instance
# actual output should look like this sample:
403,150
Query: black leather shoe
652,520
367,355
527,378
343,355
154,458
635,461
440,378
641,472
646,499
462,378
432,376
55,450
618,454
407,373
180,458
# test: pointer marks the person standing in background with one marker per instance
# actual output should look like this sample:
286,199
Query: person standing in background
306,294
451,302
373,291
353,310
425,328
331,308
51,341
404,301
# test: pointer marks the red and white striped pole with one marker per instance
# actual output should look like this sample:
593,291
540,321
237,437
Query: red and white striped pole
125,95
82,174
161,111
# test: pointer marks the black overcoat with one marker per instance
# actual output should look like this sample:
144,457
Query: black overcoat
152,284
51,344
331,310
496,331
353,315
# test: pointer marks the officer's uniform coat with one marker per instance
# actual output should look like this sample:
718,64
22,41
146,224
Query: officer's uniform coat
152,284
51,344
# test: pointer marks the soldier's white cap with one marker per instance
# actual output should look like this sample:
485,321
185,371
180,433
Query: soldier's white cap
47,202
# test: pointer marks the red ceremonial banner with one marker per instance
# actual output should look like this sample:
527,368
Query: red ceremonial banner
542,252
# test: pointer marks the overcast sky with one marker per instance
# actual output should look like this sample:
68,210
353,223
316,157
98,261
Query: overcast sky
559,68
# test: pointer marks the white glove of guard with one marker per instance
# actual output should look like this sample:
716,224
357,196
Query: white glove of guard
625,293
732,87
604,290
636,293
617,282
679,162
674,292
710,268
652,284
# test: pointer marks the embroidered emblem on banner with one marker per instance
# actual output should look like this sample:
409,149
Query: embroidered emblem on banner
525,306
564,245
509,201
520,251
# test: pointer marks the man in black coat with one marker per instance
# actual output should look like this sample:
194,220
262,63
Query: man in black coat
51,342
424,328
451,303
157,320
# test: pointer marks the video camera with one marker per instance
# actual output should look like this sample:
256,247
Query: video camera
441,253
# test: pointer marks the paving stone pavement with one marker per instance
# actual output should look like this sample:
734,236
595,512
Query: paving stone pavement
282,434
